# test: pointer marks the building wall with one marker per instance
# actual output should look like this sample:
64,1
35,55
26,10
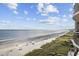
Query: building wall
76,7
76,19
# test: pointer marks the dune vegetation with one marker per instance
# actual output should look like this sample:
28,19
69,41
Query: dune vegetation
58,47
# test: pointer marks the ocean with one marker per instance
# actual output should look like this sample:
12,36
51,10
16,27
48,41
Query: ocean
28,35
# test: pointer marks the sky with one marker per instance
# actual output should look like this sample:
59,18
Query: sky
48,16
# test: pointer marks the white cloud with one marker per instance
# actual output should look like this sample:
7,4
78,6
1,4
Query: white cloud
51,20
70,16
54,21
64,16
13,7
71,9
32,19
4,22
15,12
26,12
40,8
51,8
44,14
44,9
65,20
7,24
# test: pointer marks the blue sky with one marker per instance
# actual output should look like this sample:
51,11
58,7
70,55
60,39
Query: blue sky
49,16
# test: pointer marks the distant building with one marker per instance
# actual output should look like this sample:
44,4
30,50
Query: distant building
75,39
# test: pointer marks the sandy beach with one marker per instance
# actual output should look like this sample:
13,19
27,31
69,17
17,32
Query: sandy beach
22,48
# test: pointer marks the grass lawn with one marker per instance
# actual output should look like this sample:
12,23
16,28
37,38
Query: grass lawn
58,47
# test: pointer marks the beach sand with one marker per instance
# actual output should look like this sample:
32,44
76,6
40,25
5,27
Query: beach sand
19,49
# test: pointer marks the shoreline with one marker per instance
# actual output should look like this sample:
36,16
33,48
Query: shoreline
59,47
22,48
